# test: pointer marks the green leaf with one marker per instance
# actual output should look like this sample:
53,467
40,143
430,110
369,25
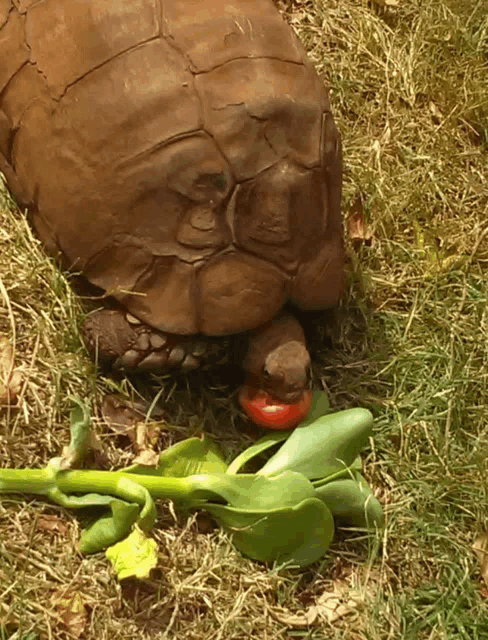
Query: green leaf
133,557
351,501
283,490
319,407
258,447
80,419
248,491
141,495
79,502
326,446
138,506
188,457
110,527
297,535
80,430
81,437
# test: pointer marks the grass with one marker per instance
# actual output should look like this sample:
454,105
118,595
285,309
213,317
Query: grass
409,93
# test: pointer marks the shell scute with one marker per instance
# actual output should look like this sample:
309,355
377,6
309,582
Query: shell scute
218,31
262,110
69,39
15,53
5,9
141,98
278,212
26,86
237,292
164,296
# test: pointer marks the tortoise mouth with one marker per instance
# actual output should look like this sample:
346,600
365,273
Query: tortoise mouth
286,397
264,410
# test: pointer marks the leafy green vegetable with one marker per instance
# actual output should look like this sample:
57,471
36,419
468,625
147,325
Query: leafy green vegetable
296,535
326,446
318,407
186,458
111,527
285,512
351,501
263,444
81,435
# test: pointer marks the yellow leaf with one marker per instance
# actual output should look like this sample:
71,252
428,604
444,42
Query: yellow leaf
135,556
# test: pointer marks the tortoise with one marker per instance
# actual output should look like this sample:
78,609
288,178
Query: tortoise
181,157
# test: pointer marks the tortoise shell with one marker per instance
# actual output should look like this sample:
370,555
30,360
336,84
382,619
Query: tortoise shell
180,154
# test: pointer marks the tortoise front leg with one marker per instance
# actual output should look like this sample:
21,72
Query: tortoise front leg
117,338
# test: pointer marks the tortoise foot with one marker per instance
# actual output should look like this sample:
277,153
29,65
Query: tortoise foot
118,338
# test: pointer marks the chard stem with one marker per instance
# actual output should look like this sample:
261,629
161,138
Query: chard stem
116,483
38,481
120,484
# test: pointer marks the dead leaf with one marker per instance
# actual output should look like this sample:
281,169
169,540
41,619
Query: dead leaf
387,3
70,457
147,435
358,231
148,458
53,523
120,416
303,619
333,605
435,112
10,378
123,417
72,611
480,547
329,607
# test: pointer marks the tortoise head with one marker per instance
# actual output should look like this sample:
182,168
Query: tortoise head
277,360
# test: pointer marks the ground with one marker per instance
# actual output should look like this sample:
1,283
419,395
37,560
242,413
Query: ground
409,342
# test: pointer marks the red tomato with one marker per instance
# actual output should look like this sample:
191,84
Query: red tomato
263,410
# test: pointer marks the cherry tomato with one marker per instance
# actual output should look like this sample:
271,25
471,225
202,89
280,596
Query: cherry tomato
263,410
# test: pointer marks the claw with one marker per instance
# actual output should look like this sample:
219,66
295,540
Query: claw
190,362
154,360
143,342
176,356
157,341
128,360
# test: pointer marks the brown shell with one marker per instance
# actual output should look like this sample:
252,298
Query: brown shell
181,154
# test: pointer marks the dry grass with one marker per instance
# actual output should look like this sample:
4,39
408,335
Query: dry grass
410,94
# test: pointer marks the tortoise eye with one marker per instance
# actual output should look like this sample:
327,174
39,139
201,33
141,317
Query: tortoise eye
266,374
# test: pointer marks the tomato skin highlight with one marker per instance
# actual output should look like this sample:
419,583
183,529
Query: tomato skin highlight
263,410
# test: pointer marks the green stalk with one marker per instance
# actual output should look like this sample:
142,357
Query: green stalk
118,483
38,481
190,490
